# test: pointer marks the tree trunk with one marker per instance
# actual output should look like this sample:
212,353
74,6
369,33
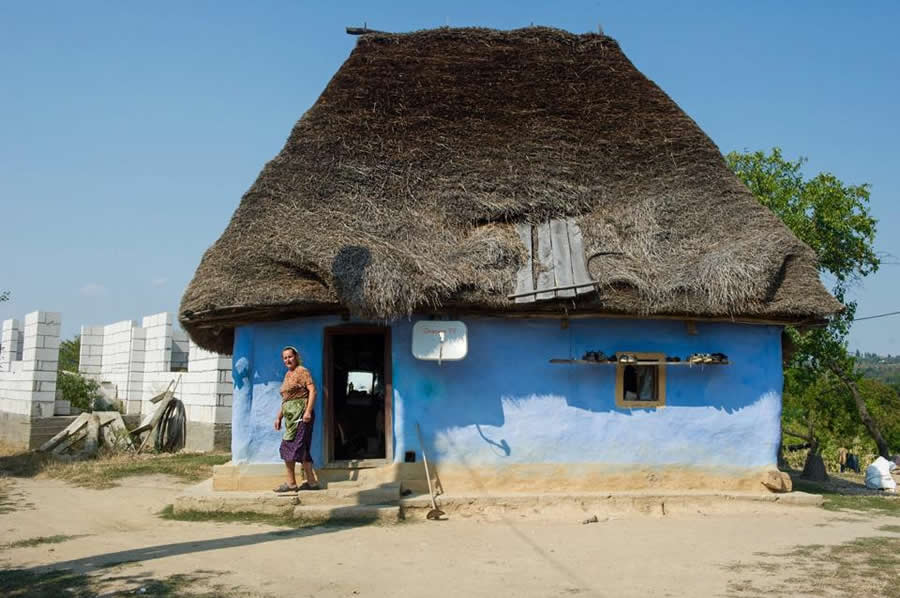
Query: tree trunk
814,468
870,424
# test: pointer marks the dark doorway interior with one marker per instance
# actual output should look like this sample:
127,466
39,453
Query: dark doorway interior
357,394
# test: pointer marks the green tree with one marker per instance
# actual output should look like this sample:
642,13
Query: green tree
834,219
70,354
4,296
78,390
72,386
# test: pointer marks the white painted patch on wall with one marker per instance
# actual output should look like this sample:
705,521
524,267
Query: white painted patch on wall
546,429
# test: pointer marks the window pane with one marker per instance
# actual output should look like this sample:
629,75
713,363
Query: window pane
646,377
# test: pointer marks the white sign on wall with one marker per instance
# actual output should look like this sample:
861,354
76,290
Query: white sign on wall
438,340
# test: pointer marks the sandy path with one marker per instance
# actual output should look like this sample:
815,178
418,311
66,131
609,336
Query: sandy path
636,556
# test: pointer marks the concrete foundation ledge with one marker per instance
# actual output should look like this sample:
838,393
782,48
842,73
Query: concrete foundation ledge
578,507
383,503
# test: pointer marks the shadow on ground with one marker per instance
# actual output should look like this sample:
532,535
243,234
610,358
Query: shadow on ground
16,583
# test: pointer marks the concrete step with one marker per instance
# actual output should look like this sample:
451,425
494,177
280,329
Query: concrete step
202,497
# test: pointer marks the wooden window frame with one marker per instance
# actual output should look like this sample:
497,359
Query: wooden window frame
660,359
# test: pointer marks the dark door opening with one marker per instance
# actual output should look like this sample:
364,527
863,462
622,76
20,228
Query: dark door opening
358,393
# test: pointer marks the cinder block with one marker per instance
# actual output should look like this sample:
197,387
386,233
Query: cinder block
43,376
47,354
50,317
50,342
223,415
49,329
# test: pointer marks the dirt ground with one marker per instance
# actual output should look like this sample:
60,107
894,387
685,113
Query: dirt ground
117,540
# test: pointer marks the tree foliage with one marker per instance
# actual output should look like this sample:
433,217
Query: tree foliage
73,387
833,218
70,354
78,390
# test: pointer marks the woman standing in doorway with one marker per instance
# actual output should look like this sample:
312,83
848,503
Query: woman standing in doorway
298,397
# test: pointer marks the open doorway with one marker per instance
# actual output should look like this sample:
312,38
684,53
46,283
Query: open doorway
358,393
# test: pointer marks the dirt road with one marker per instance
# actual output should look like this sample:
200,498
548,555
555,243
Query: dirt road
116,537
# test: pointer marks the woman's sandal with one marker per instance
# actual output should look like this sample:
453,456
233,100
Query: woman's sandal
306,486
286,488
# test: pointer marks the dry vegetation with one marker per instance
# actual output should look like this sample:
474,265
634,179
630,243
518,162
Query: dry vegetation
861,567
107,470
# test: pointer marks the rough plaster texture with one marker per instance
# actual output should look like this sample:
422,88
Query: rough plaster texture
506,408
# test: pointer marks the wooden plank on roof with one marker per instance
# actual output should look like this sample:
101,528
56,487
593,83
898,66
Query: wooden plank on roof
546,279
562,257
525,275
579,260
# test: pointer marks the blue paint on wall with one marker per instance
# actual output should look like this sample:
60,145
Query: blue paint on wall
258,373
505,403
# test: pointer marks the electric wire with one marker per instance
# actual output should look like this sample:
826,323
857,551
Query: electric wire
890,313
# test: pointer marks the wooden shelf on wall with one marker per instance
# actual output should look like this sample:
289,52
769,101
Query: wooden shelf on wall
589,362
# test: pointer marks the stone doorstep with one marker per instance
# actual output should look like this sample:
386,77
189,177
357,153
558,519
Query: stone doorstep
344,492
261,477
350,503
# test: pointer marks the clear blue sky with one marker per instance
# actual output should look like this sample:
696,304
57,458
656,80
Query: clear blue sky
129,131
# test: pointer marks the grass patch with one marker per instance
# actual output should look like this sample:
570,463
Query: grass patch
21,583
834,501
890,528
249,517
861,567
104,472
40,540
238,517
11,498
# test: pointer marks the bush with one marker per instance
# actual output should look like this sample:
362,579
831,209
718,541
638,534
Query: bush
78,390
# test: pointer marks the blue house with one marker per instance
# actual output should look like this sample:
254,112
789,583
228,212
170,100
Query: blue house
517,242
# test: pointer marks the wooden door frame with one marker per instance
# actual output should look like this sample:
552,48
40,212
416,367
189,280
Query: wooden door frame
328,385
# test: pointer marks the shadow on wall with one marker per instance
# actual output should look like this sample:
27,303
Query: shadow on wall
349,271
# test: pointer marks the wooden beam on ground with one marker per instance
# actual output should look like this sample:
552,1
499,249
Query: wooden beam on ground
71,439
72,428
163,394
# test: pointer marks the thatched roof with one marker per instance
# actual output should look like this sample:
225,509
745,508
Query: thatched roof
399,191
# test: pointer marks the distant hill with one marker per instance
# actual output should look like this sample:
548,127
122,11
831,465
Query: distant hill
884,368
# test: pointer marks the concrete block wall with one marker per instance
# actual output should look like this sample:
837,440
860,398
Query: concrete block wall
27,385
10,344
139,360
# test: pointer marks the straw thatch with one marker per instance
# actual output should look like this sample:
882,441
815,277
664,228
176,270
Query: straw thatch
399,190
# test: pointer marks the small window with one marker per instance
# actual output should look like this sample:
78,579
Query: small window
640,382
360,382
